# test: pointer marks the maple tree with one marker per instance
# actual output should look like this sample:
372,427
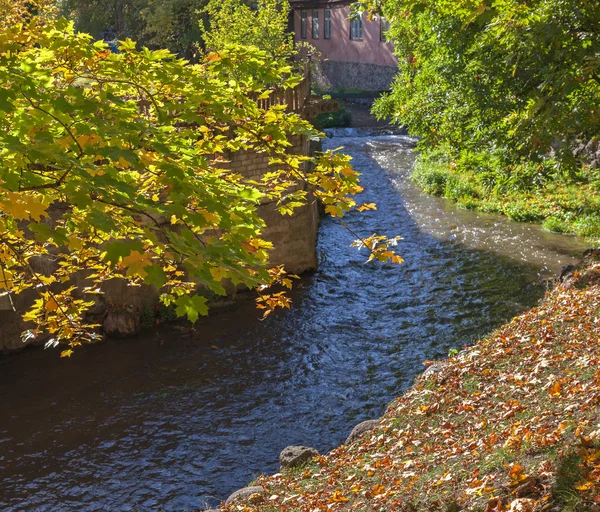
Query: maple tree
113,166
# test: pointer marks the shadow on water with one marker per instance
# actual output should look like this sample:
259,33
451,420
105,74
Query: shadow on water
165,422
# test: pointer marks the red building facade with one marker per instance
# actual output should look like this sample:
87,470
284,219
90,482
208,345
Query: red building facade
354,51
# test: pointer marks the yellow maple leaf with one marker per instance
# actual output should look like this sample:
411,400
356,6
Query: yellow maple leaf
334,211
584,485
124,163
219,273
338,497
210,217
36,209
75,243
367,206
135,263
23,207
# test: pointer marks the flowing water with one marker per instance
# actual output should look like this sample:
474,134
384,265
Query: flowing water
172,422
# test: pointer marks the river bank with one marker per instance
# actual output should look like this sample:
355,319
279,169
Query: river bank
510,424
561,202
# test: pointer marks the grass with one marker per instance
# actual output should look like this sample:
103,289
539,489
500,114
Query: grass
562,203
511,424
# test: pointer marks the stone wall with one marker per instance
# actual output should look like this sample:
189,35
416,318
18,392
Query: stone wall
120,308
329,74
294,237
589,152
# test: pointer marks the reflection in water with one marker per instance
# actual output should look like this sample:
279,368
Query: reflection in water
165,422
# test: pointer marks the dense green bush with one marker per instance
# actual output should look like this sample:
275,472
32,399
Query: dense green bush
555,225
459,187
588,226
340,119
431,177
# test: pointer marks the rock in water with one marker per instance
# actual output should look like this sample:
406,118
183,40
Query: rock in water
293,456
122,323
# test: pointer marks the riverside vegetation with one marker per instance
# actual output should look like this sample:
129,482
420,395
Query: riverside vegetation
111,163
505,97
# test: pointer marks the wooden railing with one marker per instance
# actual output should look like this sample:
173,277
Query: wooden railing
299,99
295,99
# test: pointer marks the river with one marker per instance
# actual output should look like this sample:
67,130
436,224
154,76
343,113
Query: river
172,422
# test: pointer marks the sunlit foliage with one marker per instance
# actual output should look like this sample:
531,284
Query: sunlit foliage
502,91
114,166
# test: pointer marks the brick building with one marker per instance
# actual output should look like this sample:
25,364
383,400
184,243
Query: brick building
354,51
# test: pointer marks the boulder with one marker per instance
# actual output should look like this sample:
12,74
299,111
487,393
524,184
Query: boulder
126,322
293,456
245,493
360,429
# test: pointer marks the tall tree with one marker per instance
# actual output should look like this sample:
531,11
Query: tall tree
262,24
174,24
96,17
518,79
170,24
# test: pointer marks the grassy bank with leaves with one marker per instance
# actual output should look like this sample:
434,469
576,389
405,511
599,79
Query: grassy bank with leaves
511,424
529,192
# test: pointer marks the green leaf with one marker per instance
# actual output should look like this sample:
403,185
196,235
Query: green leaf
155,276
114,251
193,307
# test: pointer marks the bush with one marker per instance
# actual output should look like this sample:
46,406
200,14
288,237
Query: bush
588,226
522,211
339,119
555,225
431,177
457,188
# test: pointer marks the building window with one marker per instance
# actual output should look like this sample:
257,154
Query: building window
384,26
327,26
303,24
315,24
356,27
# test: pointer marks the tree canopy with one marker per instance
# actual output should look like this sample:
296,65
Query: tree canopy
170,24
507,80
263,24
112,166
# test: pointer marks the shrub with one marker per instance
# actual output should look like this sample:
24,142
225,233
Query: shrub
555,225
522,211
339,119
588,226
431,177
457,188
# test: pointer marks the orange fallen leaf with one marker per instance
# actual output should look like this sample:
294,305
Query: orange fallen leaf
338,497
